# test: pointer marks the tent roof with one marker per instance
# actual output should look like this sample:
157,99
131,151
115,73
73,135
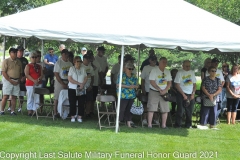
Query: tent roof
154,23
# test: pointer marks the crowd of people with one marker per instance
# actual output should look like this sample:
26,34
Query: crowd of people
82,76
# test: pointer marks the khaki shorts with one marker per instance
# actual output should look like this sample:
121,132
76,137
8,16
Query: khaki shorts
57,89
9,89
155,100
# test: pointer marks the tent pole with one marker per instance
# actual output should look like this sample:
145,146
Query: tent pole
138,69
119,90
42,50
24,43
4,46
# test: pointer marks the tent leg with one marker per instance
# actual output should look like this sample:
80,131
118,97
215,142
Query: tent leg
138,69
119,90
4,47
42,49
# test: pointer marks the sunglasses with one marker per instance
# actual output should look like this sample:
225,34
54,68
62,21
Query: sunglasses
33,57
213,71
163,75
39,56
131,69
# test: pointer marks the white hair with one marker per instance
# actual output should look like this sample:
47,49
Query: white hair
62,46
32,54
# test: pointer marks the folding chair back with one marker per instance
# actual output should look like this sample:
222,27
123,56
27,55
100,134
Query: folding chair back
47,107
108,110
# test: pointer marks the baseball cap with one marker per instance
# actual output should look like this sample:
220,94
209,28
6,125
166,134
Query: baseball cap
13,50
84,49
64,51
20,48
215,60
101,48
50,49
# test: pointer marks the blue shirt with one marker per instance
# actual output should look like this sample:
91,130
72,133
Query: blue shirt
128,93
50,58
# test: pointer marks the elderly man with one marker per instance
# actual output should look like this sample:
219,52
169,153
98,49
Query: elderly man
61,47
61,69
102,60
185,83
219,75
146,61
12,73
160,82
49,59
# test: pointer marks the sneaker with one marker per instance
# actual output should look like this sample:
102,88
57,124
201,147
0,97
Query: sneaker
202,127
144,122
156,122
9,109
2,113
79,120
19,109
13,114
73,120
164,127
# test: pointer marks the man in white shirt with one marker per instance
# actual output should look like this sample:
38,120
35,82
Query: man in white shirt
145,83
102,60
60,70
160,82
219,75
97,71
89,85
185,83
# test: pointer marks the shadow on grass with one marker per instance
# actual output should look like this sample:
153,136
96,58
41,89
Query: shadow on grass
91,124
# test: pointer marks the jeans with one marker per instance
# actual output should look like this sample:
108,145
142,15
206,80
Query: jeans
208,115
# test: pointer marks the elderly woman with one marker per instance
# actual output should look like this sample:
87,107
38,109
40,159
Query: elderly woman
211,87
34,74
128,93
207,63
77,78
233,93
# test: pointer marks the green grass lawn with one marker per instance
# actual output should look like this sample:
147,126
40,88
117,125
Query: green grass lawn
60,139
22,134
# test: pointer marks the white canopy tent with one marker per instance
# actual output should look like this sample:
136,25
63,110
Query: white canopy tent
153,23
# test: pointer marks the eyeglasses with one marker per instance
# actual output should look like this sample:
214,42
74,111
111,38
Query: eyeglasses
163,75
213,71
33,57
131,69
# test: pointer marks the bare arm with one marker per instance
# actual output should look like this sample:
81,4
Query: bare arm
56,74
202,75
153,83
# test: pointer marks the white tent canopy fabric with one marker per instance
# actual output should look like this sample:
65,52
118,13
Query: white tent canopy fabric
154,23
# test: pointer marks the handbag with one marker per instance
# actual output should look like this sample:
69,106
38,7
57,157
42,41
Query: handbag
137,110
79,91
208,103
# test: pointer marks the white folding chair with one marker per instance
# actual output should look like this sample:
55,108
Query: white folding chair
106,107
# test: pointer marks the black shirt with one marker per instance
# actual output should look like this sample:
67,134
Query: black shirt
24,62
145,63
